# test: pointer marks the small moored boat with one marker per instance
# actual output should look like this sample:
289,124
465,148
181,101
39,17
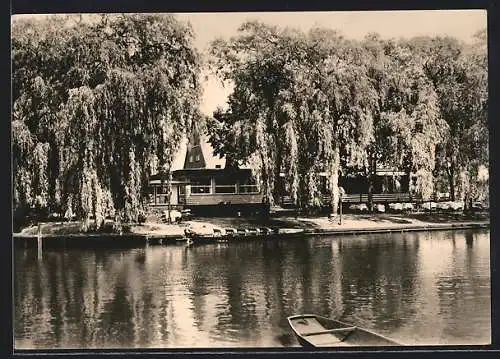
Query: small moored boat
316,331
290,231
200,232
230,232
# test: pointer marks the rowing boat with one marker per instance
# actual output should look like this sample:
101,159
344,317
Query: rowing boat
201,232
316,331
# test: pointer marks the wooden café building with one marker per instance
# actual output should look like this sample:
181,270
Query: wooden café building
202,183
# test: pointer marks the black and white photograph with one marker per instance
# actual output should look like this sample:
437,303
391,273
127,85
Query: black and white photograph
221,180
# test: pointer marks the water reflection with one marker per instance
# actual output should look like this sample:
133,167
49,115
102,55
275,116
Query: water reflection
379,281
420,288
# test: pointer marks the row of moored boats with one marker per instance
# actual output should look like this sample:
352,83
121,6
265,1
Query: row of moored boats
206,232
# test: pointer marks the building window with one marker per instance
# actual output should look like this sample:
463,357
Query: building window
190,158
202,186
249,186
225,185
162,195
197,157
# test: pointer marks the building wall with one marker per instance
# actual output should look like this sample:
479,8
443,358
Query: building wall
212,187
214,199
161,196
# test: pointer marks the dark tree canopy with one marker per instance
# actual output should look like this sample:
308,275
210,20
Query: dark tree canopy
99,104
102,101
306,103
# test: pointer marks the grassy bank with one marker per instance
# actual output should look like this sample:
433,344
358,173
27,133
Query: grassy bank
349,220
64,228
308,223
75,228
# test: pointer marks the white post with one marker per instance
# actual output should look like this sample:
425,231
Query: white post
39,241
212,185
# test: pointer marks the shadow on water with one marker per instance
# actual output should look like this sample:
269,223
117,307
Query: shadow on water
469,239
378,284
286,339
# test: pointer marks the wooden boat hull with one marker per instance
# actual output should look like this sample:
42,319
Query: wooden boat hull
229,234
195,239
316,331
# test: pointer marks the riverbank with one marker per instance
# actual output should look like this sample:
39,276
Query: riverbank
351,221
69,233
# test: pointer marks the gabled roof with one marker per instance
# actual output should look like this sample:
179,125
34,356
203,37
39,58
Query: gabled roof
210,160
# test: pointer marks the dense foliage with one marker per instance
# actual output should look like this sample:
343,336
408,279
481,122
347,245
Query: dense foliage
98,105
306,103
100,102
458,73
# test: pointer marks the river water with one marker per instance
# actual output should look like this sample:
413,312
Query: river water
422,288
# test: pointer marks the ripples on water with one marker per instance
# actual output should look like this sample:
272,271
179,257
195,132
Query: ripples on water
419,288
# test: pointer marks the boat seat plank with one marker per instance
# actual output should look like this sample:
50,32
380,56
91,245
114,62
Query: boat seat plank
329,331
329,344
328,340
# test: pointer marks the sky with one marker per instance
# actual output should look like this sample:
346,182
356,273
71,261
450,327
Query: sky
462,24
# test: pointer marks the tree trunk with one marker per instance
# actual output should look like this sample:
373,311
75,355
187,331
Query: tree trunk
451,180
279,185
469,193
371,177
264,177
169,195
53,174
169,185
334,181
466,201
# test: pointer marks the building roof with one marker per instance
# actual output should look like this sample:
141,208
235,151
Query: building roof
208,161
211,160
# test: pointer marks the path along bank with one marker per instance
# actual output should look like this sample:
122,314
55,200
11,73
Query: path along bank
69,235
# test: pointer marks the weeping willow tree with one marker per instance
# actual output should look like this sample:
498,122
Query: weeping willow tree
252,125
311,103
459,74
301,105
110,102
343,105
37,100
408,125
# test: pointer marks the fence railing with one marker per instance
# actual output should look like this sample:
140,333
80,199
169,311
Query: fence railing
363,198
380,198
